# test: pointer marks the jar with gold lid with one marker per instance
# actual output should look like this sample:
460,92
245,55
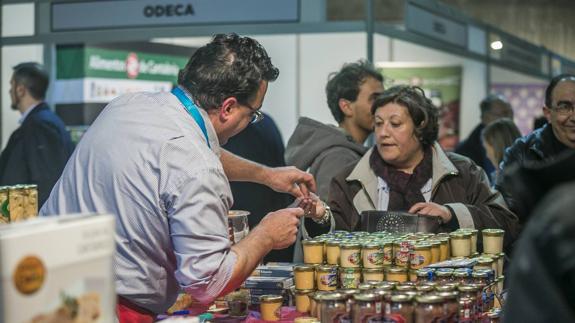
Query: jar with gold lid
425,275
400,309
332,251
460,244
333,307
493,241
462,275
387,247
473,233
326,277
402,250
397,274
469,304
412,275
270,307
443,249
302,300
312,251
404,288
443,275
372,255
484,262
482,279
350,255
372,274
304,276
349,278
446,288
429,308
420,256
450,307
366,307
314,303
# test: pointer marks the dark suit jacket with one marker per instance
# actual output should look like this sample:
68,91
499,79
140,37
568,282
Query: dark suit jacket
472,147
36,152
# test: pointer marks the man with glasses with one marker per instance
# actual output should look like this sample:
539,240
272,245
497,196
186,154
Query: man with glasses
154,161
547,143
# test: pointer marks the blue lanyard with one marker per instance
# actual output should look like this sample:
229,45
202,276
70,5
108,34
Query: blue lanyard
192,110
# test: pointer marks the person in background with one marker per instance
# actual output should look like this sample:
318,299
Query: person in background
262,143
325,149
408,171
493,107
37,151
154,161
496,137
545,143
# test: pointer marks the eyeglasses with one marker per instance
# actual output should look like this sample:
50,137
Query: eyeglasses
257,115
564,108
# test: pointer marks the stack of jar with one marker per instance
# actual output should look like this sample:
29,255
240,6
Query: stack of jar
18,203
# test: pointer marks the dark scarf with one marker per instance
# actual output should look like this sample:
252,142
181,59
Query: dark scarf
404,189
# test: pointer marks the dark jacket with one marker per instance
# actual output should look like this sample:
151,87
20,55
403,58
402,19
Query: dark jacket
323,150
542,275
472,147
456,183
262,143
540,146
36,152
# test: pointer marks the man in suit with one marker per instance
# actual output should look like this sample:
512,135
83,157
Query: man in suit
38,150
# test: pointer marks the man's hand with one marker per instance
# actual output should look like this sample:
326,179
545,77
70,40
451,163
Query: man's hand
290,180
430,208
280,227
312,206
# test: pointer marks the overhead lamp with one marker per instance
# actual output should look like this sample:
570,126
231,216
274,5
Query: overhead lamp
496,45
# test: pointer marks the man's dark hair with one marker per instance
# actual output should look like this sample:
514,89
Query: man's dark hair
345,84
421,110
488,102
228,66
552,84
33,77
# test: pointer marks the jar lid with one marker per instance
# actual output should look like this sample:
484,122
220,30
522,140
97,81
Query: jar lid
318,294
397,270
448,294
403,288
332,297
493,232
460,274
500,278
457,235
424,288
480,274
303,267
350,245
468,288
429,299
443,273
327,268
312,243
470,230
493,315
372,270
333,242
385,285
434,243
350,270
365,286
423,271
422,246
484,261
4,188
371,245
366,297
304,291
348,292
445,288
271,298
401,298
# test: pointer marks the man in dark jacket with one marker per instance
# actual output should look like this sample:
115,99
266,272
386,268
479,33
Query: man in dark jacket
546,143
493,107
38,150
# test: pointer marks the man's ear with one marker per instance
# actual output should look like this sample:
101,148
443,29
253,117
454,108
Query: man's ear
227,107
547,113
345,107
20,90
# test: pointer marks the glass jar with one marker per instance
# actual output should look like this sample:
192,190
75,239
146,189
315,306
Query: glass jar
270,307
500,263
349,302
402,251
372,274
350,255
420,256
366,308
429,309
461,275
481,278
333,307
349,278
412,275
424,275
332,252
304,276
326,277
444,249
404,288
493,241
397,274
400,309
435,251
424,289
372,255
312,252
365,286
450,307
484,262
473,233
387,253
468,308
302,300
314,303
443,275
460,244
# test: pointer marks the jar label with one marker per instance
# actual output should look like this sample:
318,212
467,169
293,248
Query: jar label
417,259
328,280
349,280
375,258
353,258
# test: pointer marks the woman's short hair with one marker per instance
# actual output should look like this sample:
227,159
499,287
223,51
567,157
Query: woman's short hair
500,134
423,113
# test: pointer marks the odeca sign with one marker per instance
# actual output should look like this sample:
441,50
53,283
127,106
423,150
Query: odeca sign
169,10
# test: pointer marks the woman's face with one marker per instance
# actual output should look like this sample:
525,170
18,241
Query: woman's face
395,137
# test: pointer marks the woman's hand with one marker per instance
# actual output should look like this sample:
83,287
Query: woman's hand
430,208
313,207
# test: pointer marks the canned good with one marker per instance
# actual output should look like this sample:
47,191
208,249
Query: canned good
326,277
312,252
332,252
372,274
350,255
400,309
366,308
372,255
304,276
460,244
270,307
302,300
493,241
429,309
397,274
333,307
349,278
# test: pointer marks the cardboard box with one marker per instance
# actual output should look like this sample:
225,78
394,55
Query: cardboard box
58,269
